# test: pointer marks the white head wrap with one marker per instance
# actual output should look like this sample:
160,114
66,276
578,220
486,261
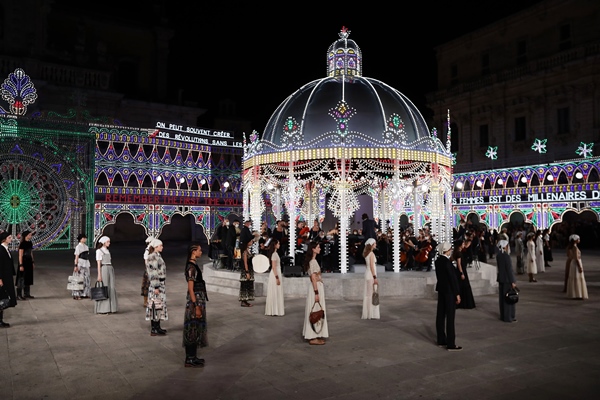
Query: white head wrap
149,239
502,244
155,243
444,247
574,238
370,241
104,239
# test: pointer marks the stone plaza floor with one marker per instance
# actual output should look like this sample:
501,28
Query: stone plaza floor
56,348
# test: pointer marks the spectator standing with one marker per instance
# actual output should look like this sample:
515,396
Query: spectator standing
7,272
520,252
506,281
26,266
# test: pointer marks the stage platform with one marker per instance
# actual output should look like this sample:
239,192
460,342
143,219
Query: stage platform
350,286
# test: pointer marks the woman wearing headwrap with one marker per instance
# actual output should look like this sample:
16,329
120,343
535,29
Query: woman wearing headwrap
506,280
106,275
576,286
369,311
157,301
82,267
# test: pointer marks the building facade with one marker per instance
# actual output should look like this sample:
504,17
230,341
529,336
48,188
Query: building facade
524,99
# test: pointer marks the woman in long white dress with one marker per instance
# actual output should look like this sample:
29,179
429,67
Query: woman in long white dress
539,252
530,260
576,285
274,303
369,311
316,293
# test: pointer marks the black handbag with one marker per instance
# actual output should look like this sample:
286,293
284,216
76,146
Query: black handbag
512,296
375,297
99,291
4,298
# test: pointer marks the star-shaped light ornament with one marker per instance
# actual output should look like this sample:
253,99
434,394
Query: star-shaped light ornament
585,150
492,152
539,145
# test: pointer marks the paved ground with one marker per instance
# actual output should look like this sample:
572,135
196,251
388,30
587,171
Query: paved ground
57,348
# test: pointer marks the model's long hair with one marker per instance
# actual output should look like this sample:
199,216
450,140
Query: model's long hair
271,248
368,248
309,255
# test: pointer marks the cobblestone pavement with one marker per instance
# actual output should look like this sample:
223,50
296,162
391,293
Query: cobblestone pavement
56,348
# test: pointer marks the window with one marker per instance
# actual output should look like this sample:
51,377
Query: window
484,138
564,41
520,130
563,120
521,52
454,74
485,64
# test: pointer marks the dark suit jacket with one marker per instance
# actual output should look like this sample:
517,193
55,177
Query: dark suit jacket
447,281
245,236
7,271
368,229
505,270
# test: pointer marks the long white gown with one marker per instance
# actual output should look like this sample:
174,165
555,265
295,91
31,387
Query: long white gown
369,311
530,262
576,285
307,331
274,304
539,254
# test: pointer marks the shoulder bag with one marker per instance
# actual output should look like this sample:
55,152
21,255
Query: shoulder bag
316,318
375,297
99,291
512,296
4,298
75,281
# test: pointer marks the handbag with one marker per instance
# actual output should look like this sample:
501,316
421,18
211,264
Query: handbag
4,298
512,296
375,297
99,292
75,281
155,303
316,317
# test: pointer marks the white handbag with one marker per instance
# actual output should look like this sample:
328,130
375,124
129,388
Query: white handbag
75,282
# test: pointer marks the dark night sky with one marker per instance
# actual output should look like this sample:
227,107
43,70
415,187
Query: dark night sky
258,57
259,54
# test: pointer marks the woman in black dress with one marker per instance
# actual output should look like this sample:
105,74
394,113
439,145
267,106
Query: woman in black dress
26,264
194,319
466,294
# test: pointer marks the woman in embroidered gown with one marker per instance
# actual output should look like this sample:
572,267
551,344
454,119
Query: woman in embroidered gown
24,278
157,295
106,275
467,301
194,318
145,280
316,293
369,311
247,274
82,267
274,304
576,286
530,260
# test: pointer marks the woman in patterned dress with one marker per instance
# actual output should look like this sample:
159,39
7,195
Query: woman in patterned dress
247,274
82,267
145,280
194,319
157,297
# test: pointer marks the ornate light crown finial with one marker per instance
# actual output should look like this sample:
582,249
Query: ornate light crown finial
344,33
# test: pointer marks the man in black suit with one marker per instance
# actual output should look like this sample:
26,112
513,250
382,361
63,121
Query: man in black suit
7,271
246,234
448,298
369,228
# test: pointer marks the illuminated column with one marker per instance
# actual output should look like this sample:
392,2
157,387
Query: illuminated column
343,227
292,209
382,209
417,205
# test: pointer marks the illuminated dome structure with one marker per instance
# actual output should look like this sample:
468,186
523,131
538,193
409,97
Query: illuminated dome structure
343,136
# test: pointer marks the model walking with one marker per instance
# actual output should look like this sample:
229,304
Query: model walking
157,295
576,286
370,311
316,294
194,318
530,258
106,275
274,304
24,278
82,267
